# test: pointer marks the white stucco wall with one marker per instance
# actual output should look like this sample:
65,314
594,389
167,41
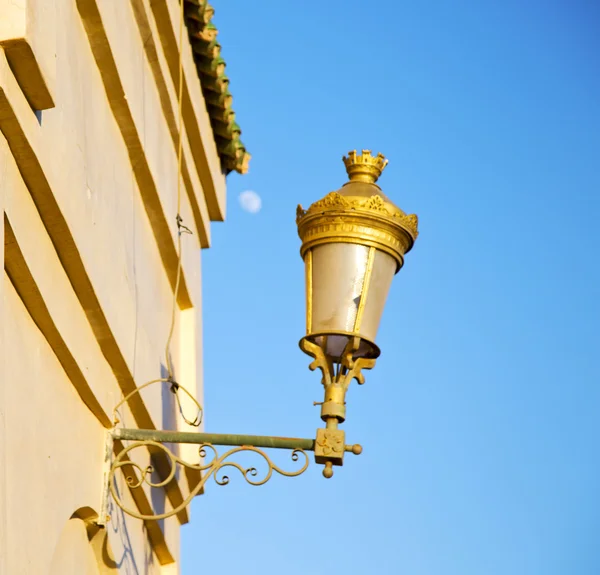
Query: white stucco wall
87,192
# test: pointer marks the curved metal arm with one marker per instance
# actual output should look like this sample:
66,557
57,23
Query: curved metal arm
327,449
217,463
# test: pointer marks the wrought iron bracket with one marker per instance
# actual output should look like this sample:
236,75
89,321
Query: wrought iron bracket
328,450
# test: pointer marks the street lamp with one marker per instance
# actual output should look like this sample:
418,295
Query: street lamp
353,243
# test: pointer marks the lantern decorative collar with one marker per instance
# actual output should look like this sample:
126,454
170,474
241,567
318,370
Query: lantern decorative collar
353,242
360,212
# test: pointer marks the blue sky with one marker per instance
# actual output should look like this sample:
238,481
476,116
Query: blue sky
480,421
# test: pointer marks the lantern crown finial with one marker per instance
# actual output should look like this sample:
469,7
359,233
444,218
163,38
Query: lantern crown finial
364,167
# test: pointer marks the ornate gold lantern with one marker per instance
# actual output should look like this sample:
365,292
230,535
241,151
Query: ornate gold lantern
353,243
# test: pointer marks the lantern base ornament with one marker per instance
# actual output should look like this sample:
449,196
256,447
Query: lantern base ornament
336,377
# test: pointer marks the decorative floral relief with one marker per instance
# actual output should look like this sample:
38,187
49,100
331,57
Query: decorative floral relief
410,222
331,443
332,200
377,204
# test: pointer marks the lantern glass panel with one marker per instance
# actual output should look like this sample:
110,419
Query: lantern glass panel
340,275
384,269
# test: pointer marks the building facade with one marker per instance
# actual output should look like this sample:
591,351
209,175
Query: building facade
89,139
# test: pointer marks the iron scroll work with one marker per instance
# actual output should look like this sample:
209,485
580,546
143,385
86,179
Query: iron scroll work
213,463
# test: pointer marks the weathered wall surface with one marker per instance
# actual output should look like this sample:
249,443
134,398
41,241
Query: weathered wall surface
88,180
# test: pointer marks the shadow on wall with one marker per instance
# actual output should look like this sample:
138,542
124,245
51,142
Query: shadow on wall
83,547
169,421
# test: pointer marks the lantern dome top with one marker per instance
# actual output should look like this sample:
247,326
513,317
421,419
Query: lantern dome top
364,167
363,172
359,212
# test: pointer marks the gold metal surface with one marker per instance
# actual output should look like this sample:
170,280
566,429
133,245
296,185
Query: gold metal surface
336,377
364,168
368,221
138,476
320,360
376,204
330,446
309,289
359,212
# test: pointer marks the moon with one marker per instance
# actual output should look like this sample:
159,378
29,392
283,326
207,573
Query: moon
250,202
